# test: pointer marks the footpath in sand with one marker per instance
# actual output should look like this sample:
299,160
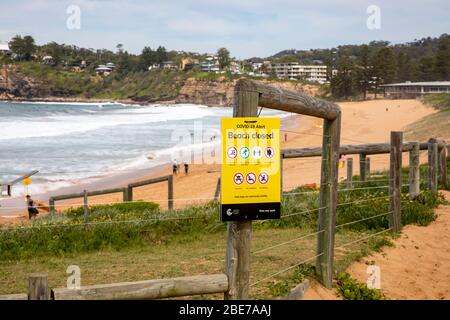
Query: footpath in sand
417,267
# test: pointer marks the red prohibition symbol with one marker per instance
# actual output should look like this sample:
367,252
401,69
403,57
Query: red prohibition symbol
232,152
238,178
263,178
251,178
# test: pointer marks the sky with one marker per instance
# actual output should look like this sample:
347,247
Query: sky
247,28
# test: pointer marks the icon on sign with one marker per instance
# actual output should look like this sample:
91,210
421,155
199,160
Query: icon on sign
232,152
238,178
257,152
263,178
270,152
251,178
244,152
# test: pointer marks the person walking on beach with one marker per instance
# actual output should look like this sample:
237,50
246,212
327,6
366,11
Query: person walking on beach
175,167
186,168
32,210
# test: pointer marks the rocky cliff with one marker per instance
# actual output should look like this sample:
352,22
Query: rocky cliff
14,85
219,92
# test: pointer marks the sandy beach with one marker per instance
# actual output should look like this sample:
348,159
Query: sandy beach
362,122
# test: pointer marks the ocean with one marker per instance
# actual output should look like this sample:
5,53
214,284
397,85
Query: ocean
71,143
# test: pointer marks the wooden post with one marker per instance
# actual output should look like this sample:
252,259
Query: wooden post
51,206
414,171
281,173
170,192
129,193
362,167
239,233
86,207
443,165
367,168
125,194
217,192
350,173
328,200
38,286
432,165
395,183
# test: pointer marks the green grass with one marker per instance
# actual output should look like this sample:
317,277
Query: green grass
351,289
438,100
125,243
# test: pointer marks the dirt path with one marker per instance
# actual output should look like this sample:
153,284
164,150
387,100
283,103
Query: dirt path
418,266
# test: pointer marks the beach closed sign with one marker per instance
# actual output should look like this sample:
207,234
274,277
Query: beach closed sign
250,169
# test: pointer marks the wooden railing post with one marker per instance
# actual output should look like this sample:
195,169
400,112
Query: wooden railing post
85,206
362,167
328,200
129,193
367,168
281,173
38,286
350,173
217,192
414,171
125,194
395,183
170,192
443,165
51,206
239,233
432,165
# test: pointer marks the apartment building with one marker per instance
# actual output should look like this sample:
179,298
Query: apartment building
296,71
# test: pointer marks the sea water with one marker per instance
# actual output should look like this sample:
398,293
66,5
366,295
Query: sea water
73,142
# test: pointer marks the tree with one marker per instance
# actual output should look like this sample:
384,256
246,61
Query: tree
29,47
119,48
147,58
364,71
384,68
404,67
223,56
425,69
161,55
343,85
442,61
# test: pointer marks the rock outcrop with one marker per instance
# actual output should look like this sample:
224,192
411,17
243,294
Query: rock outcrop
221,92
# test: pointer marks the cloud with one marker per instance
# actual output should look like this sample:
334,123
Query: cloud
246,27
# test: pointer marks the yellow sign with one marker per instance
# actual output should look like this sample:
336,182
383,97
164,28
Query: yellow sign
250,169
27,181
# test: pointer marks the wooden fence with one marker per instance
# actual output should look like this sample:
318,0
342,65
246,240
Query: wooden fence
127,192
140,290
234,283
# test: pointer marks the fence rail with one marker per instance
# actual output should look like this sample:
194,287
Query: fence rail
126,191
139,290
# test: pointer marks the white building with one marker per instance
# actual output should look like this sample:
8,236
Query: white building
296,71
410,90
4,48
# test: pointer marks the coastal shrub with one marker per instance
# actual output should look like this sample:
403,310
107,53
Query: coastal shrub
144,223
351,289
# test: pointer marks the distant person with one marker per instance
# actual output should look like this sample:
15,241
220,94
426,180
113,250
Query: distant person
186,168
175,167
32,210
